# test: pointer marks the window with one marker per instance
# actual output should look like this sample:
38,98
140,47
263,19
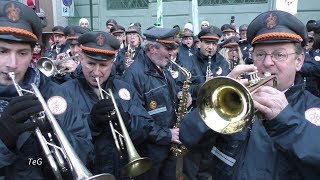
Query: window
127,4
226,2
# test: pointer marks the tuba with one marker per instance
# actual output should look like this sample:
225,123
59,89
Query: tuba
137,165
226,105
50,67
179,149
53,152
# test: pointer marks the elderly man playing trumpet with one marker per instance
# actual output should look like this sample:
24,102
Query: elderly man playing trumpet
278,143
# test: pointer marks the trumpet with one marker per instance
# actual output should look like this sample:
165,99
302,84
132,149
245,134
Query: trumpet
53,152
137,165
226,106
50,67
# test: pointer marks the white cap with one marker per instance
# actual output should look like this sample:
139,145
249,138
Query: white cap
205,22
188,26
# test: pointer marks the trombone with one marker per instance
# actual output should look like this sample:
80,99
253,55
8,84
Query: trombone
226,105
50,67
51,150
137,165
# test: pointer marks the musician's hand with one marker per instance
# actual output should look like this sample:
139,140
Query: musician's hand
240,69
103,112
269,101
210,76
175,135
69,65
61,56
12,120
128,63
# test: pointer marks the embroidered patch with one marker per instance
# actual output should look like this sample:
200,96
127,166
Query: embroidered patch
174,74
57,105
153,104
271,21
313,115
219,72
100,39
12,12
124,94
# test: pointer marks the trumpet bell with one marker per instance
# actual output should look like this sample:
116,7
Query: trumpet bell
137,167
225,105
46,66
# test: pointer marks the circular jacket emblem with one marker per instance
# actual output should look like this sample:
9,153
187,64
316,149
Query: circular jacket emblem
12,12
124,94
313,115
153,104
57,105
317,58
219,72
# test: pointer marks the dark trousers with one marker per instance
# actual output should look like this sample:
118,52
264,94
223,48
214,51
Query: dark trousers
163,167
196,166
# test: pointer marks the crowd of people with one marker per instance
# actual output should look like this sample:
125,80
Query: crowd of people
81,72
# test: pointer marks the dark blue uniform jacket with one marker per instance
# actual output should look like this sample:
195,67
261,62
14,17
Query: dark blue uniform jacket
280,149
157,94
15,165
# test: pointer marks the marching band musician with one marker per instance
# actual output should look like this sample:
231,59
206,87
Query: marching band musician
72,34
230,50
59,45
205,64
21,156
278,143
157,94
99,49
132,51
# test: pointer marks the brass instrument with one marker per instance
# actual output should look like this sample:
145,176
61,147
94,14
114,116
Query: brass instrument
129,54
137,165
51,150
208,71
180,149
233,63
226,105
50,67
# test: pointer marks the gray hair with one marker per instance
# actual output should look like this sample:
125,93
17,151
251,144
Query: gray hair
146,43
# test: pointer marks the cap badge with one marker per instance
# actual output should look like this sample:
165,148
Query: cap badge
153,104
212,30
271,21
13,12
100,39
72,31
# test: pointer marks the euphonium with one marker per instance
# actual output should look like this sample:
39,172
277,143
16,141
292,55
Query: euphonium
226,105
137,165
50,67
180,149
78,170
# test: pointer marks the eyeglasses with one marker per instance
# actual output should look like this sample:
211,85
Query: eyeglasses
281,55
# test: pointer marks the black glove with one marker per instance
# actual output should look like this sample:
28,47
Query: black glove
15,114
101,113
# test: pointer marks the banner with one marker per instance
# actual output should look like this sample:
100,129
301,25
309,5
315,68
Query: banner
290,6
67,8
159,21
